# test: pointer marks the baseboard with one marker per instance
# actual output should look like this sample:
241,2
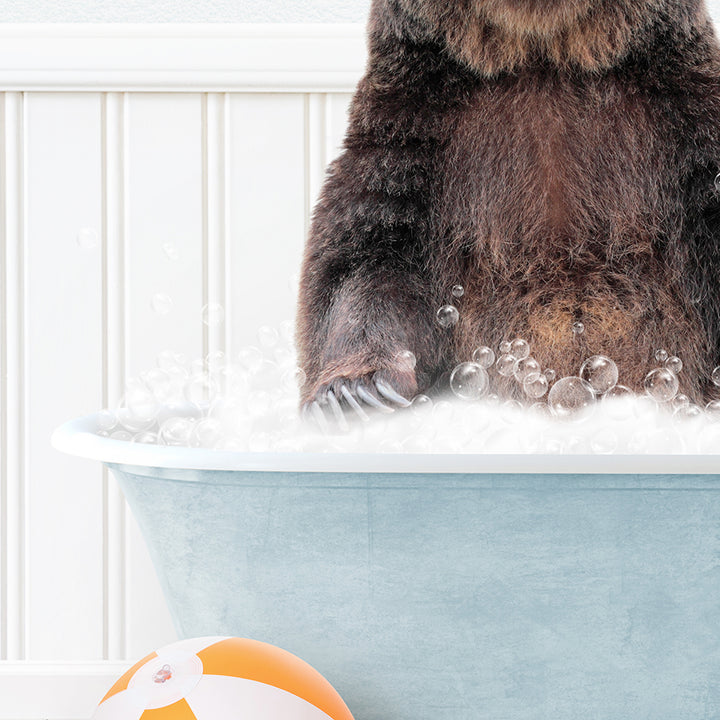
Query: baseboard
182,57
54,691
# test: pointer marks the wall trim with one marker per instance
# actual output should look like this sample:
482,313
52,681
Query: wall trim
218,57
55,691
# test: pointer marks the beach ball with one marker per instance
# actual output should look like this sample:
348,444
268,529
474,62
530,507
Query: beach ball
222,678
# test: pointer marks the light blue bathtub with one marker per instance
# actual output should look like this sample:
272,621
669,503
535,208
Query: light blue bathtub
447,587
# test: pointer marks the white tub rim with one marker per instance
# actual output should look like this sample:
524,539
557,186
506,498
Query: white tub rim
78,437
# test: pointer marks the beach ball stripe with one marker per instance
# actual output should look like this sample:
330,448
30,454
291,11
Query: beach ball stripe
219,678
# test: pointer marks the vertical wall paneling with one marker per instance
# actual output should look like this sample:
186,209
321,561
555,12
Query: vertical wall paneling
14,617
215,218
268,200
64,364
316,106
113,198
338,107
164,256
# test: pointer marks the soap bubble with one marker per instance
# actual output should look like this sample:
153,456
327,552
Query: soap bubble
679,401
140,401
171,252
207,433
505,347
600,372
176,431
604,442
145,438
458,291
571,397
469,381
405,360
536,387
293,379
123,435
712,410
661,384
213,314
550,374
689,412
578,328
106,420
716,376
161,303
717,182
519,348
421,405
674,364
484,356
250,359
215,360
447,316
268,336
510,411
527,369
87,238
506,365
661,355
201,389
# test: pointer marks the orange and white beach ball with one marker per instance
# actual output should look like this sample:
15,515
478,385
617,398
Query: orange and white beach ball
221,678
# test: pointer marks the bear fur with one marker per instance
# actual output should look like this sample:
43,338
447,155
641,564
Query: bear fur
557,159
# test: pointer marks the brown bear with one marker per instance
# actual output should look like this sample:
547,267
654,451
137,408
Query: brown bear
557,159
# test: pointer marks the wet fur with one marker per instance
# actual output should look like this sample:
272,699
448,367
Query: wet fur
558,164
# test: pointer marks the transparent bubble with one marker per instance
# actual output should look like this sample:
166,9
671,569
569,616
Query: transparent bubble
161,303
140,401
519,348
600,372
604,441
106,420
510,411
506,365
527,369
505,347
688,412
571,397
712,410
661,355
550,375
674,364
617,402
293,379
717,182
458,291
170,250
213,314
715,377
679,400
201,389
661,384
128,421
447,316
179,409
405,360
421,405
284,356
159,383
145,438
250,359
536,387
484,356
443,411
87,238
539,410
258,403
123,435
268,337
469,381
176,431
215,360
207,433
578,328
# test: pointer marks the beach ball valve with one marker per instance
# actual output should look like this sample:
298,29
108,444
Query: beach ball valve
222,678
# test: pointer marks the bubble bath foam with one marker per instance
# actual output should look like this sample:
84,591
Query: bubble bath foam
446,587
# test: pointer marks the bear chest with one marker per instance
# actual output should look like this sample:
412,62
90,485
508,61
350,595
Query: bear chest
534,159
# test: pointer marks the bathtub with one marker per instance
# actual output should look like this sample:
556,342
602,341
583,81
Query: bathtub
446,587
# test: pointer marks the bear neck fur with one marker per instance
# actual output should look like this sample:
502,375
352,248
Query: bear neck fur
498,36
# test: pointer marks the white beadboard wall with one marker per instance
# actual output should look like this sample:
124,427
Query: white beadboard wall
212,138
